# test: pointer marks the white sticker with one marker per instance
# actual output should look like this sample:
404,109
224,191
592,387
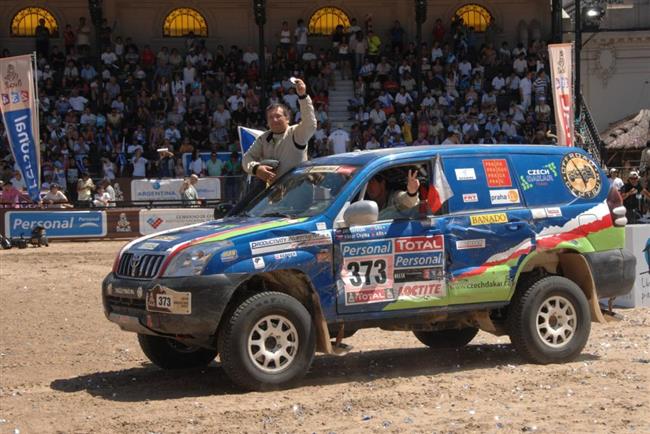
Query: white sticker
258,263
291,242
466,174
285,255
321,226
229,255
147,246
470,197
504,197
538,213
470,244
553,212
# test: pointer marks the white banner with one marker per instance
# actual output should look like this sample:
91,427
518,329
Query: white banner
168,189
156,220
561,60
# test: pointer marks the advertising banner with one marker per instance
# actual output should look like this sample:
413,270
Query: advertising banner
20,117
123,223
169,189
637,241
561,60
57,224
156,220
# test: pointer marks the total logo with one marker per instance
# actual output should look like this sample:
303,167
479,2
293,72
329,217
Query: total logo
504,197
418,244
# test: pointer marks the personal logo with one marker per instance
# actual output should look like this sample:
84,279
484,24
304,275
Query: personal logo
540,177
580,175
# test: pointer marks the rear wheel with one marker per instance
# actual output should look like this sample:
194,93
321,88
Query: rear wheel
549,320
171,354
450,338
268,342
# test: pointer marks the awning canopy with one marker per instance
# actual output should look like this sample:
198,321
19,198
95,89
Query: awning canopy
630,133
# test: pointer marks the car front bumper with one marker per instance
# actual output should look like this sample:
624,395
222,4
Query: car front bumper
129,303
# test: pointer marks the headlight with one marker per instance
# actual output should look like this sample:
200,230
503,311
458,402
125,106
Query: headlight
192,261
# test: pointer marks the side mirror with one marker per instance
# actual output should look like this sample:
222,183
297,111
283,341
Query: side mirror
363,212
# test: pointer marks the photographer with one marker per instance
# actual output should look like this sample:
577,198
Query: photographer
632,193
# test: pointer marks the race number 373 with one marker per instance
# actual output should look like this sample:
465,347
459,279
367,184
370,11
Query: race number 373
368,280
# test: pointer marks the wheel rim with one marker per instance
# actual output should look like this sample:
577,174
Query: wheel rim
273,344
556,321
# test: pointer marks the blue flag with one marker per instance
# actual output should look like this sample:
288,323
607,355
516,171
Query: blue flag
246,138
20,116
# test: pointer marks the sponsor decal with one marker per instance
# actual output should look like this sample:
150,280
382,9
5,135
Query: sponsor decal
5,98
553,212
63,224
504,197
165,238
466,284
321,226
369,296
147,246
285,255
470,197
154,222
369,248
540,177
419,244
24,95
258,263
417,275
467,174
361,232
580,175
538,213
478,243
497,173
165,300
421,291
488,219
228,255
417,260
291,242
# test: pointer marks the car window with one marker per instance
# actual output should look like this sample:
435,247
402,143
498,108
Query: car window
305,192
481,182
389,188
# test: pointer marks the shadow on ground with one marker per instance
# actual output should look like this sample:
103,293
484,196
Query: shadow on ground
150,383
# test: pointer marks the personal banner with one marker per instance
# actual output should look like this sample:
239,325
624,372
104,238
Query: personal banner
20,117
561,60
246,137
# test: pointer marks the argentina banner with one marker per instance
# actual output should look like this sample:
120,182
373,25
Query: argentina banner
20,116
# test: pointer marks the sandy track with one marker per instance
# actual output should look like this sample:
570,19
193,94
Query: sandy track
65,368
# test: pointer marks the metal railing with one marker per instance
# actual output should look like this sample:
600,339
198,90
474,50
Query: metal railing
586,127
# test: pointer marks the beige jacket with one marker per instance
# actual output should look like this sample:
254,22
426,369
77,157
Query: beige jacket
289,148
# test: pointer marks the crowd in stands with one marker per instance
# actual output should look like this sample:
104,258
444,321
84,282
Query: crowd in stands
134,111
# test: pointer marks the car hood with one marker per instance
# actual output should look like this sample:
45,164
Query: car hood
212,231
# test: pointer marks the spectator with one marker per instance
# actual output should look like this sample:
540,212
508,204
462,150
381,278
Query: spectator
189,196
614,179
339,141
232,169
85,187
42,35
10,195
139,164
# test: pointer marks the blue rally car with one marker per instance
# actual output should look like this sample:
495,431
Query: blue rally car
442,241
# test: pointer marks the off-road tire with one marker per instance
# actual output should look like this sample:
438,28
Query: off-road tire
450,338
527,325
238,359
170,354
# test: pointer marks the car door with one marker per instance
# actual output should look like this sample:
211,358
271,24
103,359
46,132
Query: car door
392,264
488,229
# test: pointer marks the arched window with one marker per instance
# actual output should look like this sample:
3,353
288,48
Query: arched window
180,22
325,20
24,23
475,16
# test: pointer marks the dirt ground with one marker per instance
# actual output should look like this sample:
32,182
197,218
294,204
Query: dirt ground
65,368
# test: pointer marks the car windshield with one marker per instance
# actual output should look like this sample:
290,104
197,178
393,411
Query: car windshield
304,192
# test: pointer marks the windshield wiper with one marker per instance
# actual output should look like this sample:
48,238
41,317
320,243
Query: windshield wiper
276,214
242,214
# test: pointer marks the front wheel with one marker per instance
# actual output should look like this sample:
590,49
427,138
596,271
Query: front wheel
170,354
549,321
268,342
450,338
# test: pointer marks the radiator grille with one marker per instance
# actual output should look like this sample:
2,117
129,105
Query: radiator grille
140,266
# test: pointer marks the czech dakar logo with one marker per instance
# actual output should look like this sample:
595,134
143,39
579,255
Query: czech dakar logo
580,175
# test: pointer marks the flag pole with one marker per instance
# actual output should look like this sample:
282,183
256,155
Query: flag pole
37,119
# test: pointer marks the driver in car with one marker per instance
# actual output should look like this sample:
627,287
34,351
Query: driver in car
394,204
